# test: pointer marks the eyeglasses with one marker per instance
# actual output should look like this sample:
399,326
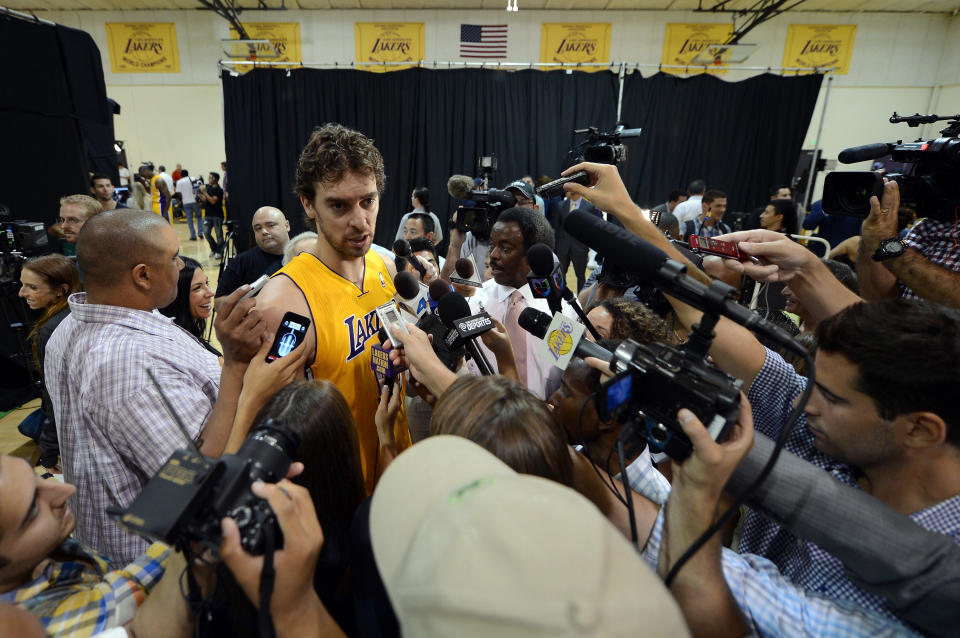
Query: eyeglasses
71,220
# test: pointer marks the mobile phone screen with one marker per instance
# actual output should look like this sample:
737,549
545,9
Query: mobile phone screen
290,334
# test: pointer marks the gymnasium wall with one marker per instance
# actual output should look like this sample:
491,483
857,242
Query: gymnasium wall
898,63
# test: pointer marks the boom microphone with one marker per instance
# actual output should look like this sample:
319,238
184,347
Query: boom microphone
460,186
650,263
536,323
863,153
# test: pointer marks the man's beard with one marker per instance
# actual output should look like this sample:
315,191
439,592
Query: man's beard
342,247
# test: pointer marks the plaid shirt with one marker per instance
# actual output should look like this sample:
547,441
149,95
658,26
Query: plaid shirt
776,607
937,241
114,430
77,595
771,396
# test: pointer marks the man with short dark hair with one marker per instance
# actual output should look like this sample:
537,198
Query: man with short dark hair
115,430
506,295
211,196
690,209
713,205
271,229
340,282
664,218
427,250
102,190
419,225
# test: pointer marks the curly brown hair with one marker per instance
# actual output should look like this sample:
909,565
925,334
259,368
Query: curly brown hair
633,320
331,151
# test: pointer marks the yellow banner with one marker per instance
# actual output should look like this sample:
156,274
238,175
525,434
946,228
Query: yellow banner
143,47
576,43
683,42
283,36
388,42
820,45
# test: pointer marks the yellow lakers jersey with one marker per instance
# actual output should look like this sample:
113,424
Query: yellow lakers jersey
155,194
346,326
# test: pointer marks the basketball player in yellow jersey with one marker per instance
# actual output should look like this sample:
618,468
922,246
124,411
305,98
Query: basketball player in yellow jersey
340,282
157,187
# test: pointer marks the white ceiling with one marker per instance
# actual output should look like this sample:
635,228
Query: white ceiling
906,6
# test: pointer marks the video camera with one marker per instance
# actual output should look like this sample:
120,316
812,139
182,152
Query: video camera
486,205
930,185
601,148
653,382
190,494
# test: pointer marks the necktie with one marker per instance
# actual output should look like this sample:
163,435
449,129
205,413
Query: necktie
518,336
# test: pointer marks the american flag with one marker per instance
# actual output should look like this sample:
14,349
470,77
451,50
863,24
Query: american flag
483,41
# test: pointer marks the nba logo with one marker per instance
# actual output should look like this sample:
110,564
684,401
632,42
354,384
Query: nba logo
383,284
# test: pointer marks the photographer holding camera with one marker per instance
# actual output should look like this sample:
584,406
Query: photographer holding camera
866,418
211,196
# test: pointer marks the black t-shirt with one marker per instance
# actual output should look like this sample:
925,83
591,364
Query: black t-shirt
246,268
214,210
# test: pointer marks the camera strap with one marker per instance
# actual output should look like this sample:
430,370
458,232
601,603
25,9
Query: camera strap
267,577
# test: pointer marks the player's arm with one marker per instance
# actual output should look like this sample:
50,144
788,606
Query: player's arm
279,296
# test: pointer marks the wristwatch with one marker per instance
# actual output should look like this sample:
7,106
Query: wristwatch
890,248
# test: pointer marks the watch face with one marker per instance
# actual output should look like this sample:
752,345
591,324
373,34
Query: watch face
894,247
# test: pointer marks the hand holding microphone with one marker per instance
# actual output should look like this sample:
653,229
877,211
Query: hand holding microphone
606,190
416,355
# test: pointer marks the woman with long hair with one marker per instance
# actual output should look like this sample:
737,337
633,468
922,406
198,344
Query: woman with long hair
319,414
194,302
45,284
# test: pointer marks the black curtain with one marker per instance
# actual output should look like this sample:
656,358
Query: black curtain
55,122
428,125
740,137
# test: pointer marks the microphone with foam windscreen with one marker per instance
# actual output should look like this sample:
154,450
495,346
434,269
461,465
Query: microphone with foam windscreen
652,264
864,153
460,186
547,282
437,289
401,248
466,272
454,312
411,293
536,323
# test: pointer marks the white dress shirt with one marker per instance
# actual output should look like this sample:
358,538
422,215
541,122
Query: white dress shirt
690,209
542,376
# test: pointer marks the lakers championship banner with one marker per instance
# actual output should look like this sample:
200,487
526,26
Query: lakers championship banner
388,42
682,42
143,47
820,45
284,40
576,43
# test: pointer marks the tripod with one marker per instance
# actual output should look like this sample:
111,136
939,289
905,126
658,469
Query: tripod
229,252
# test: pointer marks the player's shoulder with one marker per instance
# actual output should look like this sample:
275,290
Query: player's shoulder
281,292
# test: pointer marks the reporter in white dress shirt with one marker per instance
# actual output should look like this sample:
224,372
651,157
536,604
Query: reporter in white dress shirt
691,209
505,295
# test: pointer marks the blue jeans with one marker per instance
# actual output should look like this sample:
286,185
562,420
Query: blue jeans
192,211
212,224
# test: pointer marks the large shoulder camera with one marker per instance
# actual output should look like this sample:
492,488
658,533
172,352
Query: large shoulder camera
929,184
188,496
487,206
601,148
653,382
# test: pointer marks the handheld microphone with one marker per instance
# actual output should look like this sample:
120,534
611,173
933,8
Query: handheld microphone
466,271
545,279
454,311
536,323
437,289
460,186
411,292
630,252
863,153
547,282
401,247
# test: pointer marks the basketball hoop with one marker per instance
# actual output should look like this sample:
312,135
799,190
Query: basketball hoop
249,49
720,54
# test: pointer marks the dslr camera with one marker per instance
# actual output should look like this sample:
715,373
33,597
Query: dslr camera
653,382
602,148
929,183
188,496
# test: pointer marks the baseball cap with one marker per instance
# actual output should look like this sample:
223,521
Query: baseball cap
465,546
525,189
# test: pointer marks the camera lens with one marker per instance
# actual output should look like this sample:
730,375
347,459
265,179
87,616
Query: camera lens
270,449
